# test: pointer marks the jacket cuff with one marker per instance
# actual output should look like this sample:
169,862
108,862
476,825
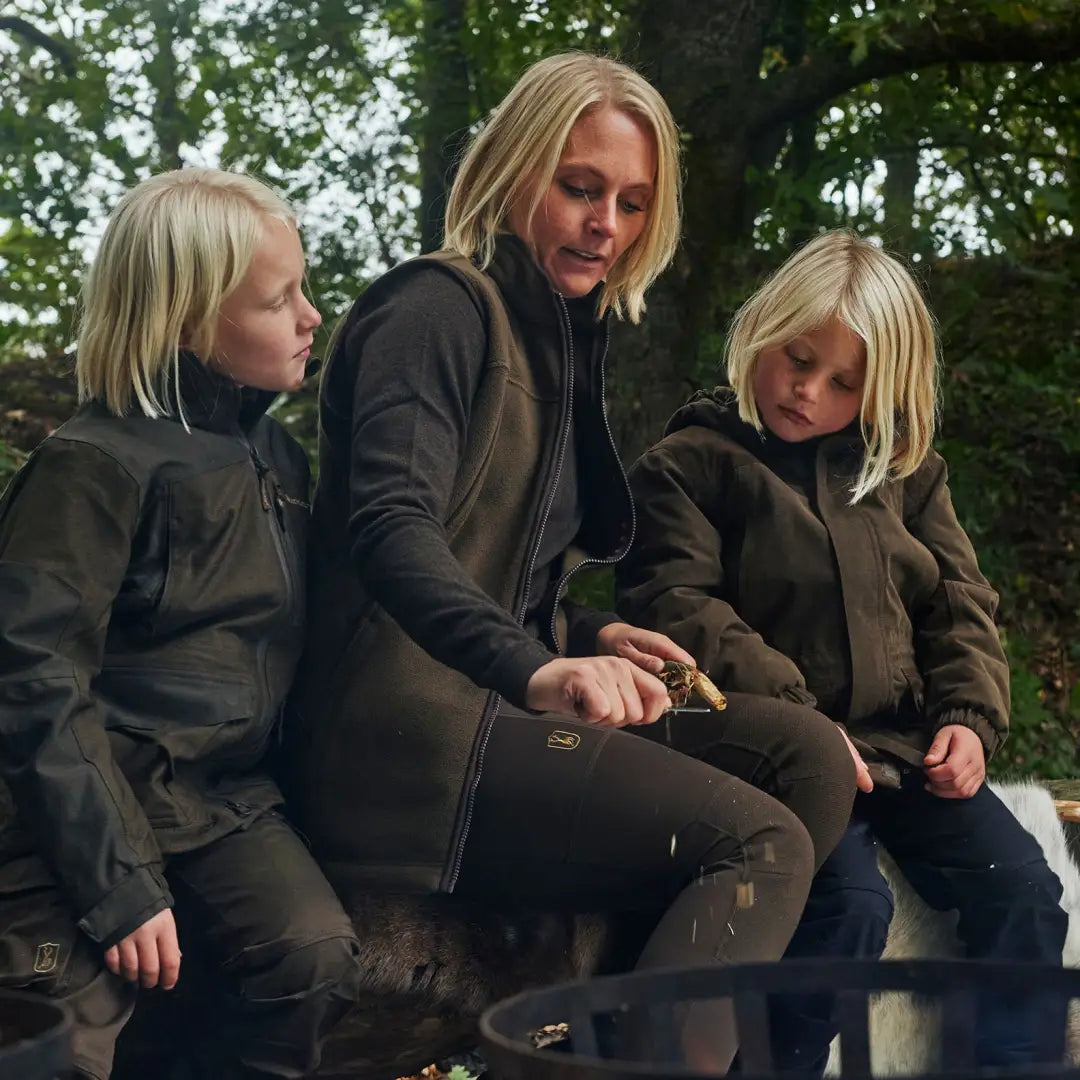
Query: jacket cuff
990,738
511,677
800,695
582,626
140,895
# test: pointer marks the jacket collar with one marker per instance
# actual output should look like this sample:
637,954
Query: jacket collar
212,402
718,409
527,290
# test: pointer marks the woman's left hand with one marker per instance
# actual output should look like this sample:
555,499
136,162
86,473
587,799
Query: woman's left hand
645,648
955,763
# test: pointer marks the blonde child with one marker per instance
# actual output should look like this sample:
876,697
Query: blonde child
796,534
151,564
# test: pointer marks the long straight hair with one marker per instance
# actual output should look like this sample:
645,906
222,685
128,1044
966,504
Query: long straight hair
174,248
840,275
515,156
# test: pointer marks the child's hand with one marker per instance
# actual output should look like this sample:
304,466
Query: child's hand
150,953
645,648
955,763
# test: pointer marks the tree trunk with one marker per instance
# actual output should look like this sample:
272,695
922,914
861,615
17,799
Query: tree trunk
444,126
704,60
899,193
169,117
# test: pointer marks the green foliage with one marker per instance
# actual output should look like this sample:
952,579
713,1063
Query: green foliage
11,460
459,1072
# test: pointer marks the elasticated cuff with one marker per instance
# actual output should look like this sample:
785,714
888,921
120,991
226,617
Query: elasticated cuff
990,738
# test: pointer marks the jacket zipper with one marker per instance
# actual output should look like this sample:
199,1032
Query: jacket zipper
493,704
610,559
270,498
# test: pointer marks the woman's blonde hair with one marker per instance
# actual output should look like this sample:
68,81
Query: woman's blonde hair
515,156
175,246
840,275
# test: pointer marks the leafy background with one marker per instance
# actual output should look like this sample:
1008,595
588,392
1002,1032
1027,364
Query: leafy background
946,129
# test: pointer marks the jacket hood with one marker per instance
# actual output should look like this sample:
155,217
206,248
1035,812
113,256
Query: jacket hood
716,409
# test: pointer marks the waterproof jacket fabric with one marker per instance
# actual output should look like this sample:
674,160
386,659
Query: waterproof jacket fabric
400,684
750,555
153,605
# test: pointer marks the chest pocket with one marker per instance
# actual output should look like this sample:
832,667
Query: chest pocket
222,560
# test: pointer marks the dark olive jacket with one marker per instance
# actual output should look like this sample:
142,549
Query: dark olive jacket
750,556
153,604
392,728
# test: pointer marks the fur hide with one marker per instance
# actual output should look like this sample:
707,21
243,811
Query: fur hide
905,1033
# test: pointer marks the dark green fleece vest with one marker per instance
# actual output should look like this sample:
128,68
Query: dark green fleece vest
393,740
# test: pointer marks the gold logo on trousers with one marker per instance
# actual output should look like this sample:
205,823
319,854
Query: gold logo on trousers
48,952
563,740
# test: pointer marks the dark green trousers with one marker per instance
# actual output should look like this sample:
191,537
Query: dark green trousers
277,952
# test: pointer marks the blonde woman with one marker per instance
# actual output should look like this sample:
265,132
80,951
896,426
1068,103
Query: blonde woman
461,716
151,564
797,533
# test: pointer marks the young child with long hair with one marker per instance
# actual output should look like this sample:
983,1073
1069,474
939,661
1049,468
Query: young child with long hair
796,534
152,570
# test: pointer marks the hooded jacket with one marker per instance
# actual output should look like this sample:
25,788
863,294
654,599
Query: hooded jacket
750,556
153,608
423,555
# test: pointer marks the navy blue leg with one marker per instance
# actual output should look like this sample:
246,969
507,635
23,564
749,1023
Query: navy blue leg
973,856
847,915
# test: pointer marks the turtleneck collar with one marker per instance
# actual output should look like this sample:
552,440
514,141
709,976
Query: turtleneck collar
528,291
213,402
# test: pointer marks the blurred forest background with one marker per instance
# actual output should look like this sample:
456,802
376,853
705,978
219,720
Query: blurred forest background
949,130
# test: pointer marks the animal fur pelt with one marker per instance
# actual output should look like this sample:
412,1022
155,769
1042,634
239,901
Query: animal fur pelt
905,1033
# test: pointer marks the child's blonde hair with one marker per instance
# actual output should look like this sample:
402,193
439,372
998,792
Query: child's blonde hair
840,275
174,248
518,150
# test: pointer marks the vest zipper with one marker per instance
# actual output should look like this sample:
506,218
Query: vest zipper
523,604
609,559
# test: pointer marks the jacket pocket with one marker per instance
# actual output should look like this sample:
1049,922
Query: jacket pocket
171,731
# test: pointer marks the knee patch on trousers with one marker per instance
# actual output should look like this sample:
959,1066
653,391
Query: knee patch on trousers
324,966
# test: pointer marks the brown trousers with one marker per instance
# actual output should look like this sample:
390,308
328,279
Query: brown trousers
279,950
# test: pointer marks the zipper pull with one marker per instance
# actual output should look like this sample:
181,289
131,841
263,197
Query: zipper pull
261,469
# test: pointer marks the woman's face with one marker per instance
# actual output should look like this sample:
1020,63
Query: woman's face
597,203
266,324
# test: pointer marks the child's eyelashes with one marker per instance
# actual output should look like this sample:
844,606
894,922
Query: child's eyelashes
805,363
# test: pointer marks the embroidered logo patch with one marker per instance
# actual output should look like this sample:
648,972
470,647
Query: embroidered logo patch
48,952
563,740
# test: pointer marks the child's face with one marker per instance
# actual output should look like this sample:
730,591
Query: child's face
266,325
812,385
598,202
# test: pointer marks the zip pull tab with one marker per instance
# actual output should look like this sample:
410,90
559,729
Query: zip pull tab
261,470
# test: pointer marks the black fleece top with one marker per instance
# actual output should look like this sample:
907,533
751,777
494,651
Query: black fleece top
416,412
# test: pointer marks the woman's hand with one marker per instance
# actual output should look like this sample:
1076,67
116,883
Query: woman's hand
606,690
862,774
645,648
955,763
149,953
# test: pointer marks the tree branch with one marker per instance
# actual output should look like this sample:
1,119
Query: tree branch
63,52
975,38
